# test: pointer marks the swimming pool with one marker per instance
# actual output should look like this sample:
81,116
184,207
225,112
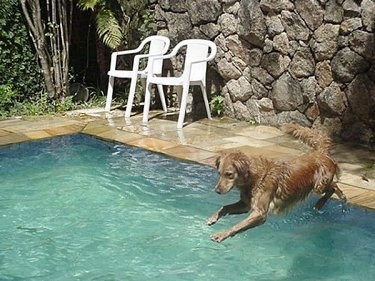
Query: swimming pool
78,208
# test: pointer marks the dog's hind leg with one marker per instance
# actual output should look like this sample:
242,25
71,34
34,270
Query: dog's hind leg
339,192
333,189
322,201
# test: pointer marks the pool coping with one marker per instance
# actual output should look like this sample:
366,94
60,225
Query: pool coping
200,141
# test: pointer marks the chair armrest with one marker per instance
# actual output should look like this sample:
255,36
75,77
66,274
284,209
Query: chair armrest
210,57
173,53
114,55
161,56
137,59
132,51
175,50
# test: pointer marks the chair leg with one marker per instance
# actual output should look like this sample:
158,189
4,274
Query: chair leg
204,93
109,94
146,107
162,97
181,116
129,104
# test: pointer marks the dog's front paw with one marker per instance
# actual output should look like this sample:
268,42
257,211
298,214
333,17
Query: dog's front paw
220,236
213,219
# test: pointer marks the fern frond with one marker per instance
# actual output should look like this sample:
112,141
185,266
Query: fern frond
89,4
108,28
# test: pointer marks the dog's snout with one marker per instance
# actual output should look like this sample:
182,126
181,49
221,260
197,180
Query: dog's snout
217,190
222,188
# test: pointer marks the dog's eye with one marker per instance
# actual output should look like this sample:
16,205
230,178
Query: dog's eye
229,175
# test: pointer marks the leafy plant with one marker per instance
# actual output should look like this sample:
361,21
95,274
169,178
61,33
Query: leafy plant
37,105
217,105
7,95
19,70
148,23
107,25
252,121
108,29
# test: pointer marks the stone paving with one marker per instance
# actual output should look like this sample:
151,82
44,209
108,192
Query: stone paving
199,141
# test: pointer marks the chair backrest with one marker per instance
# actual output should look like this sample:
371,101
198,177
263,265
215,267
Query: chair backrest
198,50
159,45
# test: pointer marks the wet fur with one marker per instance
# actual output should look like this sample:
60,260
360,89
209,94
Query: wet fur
273,186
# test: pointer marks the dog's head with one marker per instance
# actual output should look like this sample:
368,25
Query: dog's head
233,169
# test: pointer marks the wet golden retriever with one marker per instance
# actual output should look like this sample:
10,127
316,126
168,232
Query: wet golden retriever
272,186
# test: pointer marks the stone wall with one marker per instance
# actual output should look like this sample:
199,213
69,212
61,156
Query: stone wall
309,61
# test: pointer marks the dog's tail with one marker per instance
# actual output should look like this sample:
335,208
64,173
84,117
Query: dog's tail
316,139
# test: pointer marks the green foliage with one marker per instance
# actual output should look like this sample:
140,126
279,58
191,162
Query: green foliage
119,19
148,23
19,70
108,28
252,120
217,105
36,106
90,4
107,25
141,21
7,95
21,82
41,105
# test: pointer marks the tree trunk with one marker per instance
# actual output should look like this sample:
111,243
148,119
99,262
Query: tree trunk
51,38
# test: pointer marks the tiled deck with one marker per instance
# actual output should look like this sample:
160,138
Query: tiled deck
199,141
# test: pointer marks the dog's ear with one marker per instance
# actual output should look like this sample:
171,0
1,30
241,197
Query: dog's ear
242,165
217,162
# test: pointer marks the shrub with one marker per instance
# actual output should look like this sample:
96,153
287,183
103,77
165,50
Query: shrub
7,96
217,105
19,70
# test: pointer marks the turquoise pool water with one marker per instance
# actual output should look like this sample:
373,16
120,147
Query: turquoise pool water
77,208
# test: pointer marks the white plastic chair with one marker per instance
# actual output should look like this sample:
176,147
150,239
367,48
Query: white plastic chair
158,45
198,53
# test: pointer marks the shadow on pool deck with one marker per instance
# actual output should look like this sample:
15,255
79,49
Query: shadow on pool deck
198,141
